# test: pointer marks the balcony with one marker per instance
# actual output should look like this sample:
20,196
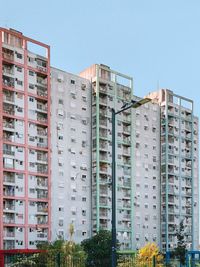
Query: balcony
42,92
42,194
8,218
42,144
8,109
127,162
42,182
10,124
103,192
103,202
42,236
8,137
103,123
8,234
9,207
7,81
8,177
41,220
9,244
8,70
103,101
8,54
41,65
103,214
41,132
8,152
126,119
9,191
42,208
42,118
126,130
42,169
42,158
103,158
41,107
126,217
9,98
127,183
126,141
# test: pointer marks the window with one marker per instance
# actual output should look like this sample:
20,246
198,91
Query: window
84,199
31,73
60,222
60,101
84,98
19,82
61,209
83,212
19,55
72,82
19,69
19,109
60,137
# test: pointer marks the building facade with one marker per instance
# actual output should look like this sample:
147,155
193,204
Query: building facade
146,177
71,156
56,154
179,169
111,89
24,142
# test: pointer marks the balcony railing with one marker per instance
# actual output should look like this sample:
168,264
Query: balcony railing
42,93
8,220
8,152
9,207
9,56
9,125
42,119
9,234
9,179
8,98
42,169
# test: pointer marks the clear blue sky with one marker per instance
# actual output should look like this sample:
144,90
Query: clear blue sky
155,41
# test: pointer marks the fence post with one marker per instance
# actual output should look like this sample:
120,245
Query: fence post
154,261
58,259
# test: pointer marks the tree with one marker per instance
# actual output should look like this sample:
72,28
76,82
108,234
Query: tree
147,253
98,249
180,250
60,251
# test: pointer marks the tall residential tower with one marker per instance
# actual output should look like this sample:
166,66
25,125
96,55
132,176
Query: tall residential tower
179,169
24,142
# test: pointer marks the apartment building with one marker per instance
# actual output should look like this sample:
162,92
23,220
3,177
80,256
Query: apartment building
146,174
179,169
24,142
71,155
111,89
56,154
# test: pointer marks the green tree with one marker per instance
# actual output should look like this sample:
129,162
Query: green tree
180,251
66,252
98,249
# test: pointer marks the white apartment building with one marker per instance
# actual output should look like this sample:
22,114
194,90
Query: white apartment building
146,179
179,169
71,155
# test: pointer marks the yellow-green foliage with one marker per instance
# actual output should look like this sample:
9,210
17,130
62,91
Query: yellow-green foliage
146,254
144,257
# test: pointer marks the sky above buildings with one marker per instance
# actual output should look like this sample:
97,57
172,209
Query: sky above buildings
156,42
